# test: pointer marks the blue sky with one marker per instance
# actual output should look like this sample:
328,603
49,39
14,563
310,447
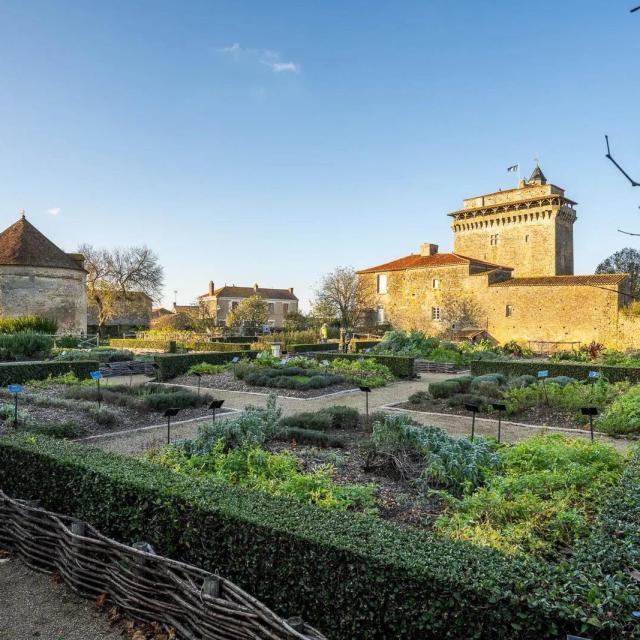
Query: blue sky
270,142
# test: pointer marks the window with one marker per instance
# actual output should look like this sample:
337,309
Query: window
271,308
380,315
435,313
233,304
435,283
508,311
494,240
285,308
382,283
526,238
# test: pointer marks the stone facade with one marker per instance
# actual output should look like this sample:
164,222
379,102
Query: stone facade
513,265
38,278
217,303
58,294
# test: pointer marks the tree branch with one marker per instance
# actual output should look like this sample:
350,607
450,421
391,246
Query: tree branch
620,169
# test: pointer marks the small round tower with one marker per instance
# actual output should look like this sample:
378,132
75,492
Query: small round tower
38,278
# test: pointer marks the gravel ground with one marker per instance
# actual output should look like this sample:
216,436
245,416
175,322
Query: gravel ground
226,381
33,605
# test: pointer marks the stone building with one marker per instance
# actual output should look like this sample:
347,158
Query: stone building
38,278
510,274
217,303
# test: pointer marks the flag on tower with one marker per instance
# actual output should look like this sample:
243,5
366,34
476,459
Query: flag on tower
513,168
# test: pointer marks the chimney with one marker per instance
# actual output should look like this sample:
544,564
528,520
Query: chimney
211,287
255,287
291,290
427,249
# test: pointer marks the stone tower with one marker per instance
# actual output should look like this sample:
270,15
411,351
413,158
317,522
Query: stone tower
529,228
38,278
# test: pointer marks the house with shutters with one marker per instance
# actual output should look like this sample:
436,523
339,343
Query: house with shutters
217,303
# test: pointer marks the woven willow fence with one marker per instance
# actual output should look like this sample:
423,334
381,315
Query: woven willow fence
148,587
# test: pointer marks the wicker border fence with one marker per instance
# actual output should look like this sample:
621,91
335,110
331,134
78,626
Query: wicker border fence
197,604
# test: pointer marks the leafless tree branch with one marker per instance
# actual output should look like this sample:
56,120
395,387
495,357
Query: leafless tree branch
620,169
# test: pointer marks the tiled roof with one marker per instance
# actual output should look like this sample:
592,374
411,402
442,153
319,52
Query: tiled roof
247,292
601,279
417,261
22,244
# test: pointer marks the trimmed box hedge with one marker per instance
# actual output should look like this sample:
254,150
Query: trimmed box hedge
353,577
577,370
401,366
171,365
164,345
309,348
19,372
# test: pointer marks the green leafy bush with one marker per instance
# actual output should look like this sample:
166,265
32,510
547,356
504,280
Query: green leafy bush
461,399
622,416
162,400
400,366
310,348
546,495
24,345
309,436
428,455
103,416
342,417
363,372
419,397
68,430
420,577
445,388
317,421
101,355
35,324
171,365
287,378
208,369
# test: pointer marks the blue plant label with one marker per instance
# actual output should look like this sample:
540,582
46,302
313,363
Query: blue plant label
96,375
325,363
236,359
543,374
16,388
594,374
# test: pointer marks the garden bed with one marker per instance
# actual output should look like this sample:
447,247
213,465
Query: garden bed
542,416
226,381
71,410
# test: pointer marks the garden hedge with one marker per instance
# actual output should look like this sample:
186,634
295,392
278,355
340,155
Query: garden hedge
401,366
19,372
353,577
309,348
189,345
171,365
577,370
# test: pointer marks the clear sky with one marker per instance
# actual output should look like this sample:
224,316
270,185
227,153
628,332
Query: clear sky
270,142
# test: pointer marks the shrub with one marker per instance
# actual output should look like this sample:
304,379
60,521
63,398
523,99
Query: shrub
577,370
419,397
522,381
35,324
546,495
444,389
208,369
342,417
24,345
310,348
309,436
428,455
464,382
318,421
103,416
623,415
496,379
288,378
101,355
420,577
400,366
363,372
171,365
461,399
60,430
22,372
157,399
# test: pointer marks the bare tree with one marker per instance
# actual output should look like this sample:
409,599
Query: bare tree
342,295
116,277
459,311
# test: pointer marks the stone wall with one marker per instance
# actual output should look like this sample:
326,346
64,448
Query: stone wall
554,313
53,293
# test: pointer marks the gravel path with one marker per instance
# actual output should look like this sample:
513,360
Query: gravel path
33,605
381,398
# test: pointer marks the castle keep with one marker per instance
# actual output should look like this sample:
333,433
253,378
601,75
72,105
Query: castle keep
512,264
